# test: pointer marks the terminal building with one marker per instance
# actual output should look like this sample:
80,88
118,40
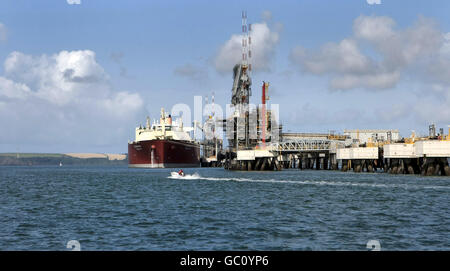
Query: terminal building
365,136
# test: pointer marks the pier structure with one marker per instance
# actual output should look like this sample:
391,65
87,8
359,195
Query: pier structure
305,153
276,156
359,159
310,150
426,157
300,153
256,140
414,155
400,158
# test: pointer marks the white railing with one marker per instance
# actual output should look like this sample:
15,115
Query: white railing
301,145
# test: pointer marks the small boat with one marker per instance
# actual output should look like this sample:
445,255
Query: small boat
60,164
177,175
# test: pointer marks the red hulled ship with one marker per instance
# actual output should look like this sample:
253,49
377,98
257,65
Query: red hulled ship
164,144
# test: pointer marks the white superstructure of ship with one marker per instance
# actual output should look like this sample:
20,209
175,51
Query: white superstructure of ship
165,128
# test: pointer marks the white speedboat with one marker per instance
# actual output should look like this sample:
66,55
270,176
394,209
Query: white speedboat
177,175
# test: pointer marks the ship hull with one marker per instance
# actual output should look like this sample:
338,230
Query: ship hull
163,154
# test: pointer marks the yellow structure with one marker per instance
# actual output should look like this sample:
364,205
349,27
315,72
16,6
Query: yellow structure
370,143
412,139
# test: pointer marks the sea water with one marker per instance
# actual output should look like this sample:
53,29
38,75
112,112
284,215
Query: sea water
118,208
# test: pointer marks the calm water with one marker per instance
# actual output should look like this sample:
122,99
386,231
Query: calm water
116,208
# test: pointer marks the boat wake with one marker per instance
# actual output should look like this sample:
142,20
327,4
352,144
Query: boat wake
196,176
175,175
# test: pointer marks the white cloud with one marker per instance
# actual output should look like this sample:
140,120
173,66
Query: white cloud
438,69
372,2
445,50
345,53
58,78
64,98
12,90
378,56
74,2
120,104
368,81
389,54
3,32
407,47
374,28
264,41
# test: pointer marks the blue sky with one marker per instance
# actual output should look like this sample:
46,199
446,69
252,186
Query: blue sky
144,55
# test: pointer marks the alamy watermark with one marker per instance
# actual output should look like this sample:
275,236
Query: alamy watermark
374,245
74,245
257,121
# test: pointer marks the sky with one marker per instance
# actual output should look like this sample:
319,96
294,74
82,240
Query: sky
80,75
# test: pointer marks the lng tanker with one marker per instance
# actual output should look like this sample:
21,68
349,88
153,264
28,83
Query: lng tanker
164,144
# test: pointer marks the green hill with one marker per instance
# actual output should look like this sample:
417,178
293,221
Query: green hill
32,159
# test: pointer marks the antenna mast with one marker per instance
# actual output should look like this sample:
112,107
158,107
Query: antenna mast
244,39
249,37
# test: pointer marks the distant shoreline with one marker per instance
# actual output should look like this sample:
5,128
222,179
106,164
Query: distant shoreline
32,159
